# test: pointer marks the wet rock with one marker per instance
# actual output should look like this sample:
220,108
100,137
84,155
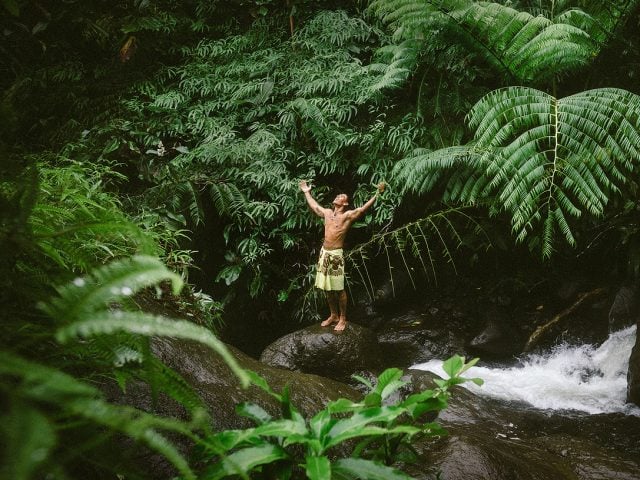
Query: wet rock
221,392
493,440
417,337
323,351
625,309
496,340
633,374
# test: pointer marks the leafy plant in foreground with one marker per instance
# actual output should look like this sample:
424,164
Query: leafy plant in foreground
49,411
375,432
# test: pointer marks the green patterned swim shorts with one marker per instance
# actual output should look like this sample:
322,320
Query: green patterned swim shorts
330,275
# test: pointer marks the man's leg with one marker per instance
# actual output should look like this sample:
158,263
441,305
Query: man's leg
342,301
332,300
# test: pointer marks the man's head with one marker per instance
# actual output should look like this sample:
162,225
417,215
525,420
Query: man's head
341,200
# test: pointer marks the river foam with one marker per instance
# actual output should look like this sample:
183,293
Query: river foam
586,378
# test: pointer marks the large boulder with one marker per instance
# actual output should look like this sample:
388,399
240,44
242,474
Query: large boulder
323,351
218,387
417,337
496,340
625,308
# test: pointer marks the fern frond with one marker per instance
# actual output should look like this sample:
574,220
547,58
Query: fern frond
108,323
555,158
123,278
53,387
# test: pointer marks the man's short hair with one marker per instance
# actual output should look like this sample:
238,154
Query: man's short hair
341,199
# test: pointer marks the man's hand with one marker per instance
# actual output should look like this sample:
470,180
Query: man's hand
381,186
304,186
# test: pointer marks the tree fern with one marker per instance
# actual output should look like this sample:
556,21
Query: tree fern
545,161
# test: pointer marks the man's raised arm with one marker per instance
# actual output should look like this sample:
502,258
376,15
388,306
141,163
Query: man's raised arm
315,207
358,212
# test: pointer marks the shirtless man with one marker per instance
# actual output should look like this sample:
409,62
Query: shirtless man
330,275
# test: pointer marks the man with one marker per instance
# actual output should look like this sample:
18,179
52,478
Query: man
330,275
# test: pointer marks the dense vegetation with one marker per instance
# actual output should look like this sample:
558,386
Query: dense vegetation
158,129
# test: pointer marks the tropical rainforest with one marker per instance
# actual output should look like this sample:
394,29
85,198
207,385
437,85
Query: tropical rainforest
151,151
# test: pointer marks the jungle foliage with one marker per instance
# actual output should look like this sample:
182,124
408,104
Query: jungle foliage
129,127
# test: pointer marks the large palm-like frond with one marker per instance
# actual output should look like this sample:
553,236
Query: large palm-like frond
543,160
526,47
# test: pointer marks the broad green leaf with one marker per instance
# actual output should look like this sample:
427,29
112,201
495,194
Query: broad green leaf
391,387
367,470
363,380
228,439
385,378
429,405
318,468
282,428
343,405
373,399
244,461
253,411
321,423
453,365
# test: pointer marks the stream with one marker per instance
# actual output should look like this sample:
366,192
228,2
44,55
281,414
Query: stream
585,378
557,415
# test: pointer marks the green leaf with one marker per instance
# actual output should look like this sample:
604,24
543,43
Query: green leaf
321,423
254,412
453,365
12,7
261,383
226,440
367,470
392,387
363,380
374,399
28,438
282,428
245,460
387,377
468,365
343,405
318,468
359,424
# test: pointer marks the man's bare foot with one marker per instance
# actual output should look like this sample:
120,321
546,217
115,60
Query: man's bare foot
342,324
330,320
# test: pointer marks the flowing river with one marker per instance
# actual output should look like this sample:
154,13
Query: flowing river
587,378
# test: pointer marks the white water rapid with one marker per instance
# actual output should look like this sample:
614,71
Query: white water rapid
585,378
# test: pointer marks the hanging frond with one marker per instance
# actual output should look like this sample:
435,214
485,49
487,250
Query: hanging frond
424,243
